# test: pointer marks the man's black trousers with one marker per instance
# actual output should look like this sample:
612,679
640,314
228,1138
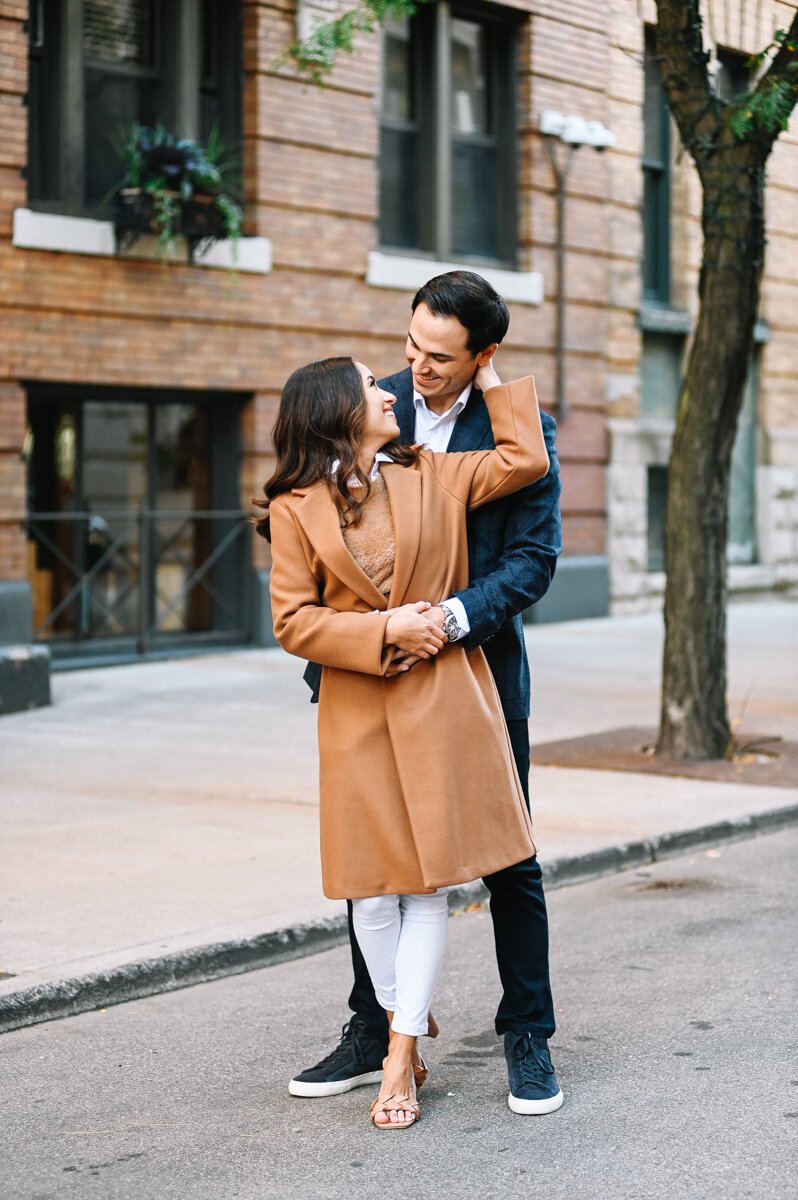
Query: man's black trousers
521,930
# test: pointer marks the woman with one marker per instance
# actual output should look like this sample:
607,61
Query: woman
418,788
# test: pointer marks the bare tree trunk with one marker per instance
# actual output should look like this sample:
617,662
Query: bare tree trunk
694,721
693,718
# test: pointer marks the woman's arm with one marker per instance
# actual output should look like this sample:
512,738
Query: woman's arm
351,641
520,458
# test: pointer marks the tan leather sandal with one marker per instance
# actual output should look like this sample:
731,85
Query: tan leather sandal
398,1102
395,1103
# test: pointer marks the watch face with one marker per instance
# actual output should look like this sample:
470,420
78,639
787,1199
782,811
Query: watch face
450,626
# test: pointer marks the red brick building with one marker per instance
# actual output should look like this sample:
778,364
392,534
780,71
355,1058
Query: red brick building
137,395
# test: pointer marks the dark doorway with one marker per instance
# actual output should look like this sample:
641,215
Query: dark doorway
136,539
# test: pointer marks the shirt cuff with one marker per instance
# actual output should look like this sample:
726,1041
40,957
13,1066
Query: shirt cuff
460,615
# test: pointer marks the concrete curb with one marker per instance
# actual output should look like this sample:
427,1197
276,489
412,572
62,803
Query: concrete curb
69,997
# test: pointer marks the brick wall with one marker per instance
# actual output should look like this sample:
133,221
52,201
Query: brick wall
311,185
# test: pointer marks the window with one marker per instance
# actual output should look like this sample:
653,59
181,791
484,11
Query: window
448,136
96,66
135,538
732,77
656,182
741,545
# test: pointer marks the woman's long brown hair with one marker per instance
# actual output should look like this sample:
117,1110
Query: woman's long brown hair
320,421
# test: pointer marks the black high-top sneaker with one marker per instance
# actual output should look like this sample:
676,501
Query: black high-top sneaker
355,1062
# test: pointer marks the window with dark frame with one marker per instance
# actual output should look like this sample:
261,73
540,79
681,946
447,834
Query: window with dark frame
448,135
733,75
96,66
656,181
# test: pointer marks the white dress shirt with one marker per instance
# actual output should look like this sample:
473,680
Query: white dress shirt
435,432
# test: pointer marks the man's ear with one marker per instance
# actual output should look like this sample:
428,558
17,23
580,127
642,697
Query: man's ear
484,356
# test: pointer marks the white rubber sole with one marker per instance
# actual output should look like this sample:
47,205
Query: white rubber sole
535,1108
297,1088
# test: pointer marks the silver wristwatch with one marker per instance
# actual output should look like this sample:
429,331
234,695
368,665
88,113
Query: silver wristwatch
450,625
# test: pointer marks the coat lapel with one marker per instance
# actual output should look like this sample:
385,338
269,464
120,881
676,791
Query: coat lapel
472,429
318,516
404,493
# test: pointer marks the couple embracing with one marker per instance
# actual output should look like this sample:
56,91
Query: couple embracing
412,520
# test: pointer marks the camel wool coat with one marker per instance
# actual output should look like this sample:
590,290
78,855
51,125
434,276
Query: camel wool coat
418,787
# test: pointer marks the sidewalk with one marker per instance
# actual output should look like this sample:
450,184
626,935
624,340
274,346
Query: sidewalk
160,827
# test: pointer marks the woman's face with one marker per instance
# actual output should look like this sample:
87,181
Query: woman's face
381,425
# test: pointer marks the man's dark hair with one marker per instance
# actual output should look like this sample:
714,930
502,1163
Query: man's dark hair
470,300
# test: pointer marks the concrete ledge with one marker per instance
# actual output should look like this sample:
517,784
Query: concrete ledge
24,678
580,589
83,235
260,621
68,997
16,612
408,273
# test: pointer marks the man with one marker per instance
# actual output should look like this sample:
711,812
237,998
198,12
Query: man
458,321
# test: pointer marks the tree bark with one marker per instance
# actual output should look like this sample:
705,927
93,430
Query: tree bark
694,720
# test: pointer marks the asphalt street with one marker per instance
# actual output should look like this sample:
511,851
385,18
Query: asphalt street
676,991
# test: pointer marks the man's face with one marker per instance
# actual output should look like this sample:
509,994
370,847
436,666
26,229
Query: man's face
436,350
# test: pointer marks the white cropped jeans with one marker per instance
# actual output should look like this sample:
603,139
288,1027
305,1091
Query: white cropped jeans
402,939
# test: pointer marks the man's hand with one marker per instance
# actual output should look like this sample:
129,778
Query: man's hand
486,377
410,630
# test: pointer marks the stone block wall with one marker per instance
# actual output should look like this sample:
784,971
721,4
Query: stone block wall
637,442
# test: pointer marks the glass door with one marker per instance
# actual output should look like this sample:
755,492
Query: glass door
135,538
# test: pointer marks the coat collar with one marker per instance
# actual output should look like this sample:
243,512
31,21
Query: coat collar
318,516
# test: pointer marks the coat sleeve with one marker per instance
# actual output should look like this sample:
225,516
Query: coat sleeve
531,543
351,641
476,477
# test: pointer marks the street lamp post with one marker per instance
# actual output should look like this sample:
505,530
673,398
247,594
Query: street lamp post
572,132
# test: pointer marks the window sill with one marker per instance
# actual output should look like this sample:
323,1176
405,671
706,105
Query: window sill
742,577
407,273
661,319
654,319
82,235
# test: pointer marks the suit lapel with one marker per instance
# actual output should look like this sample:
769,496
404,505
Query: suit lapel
472,429
404,493
318,516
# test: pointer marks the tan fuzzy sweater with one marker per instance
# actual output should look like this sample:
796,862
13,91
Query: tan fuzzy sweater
372,543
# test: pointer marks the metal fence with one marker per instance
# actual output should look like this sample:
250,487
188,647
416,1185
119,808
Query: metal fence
145,576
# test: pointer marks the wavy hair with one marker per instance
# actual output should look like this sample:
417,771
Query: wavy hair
320,422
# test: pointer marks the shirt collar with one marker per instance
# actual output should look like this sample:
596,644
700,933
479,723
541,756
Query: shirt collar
455,410
375,470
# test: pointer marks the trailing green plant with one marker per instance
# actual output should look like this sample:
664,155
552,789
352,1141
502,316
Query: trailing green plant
174,172
314,56
767,110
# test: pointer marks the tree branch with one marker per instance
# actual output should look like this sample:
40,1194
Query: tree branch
683,65
770,104
783,64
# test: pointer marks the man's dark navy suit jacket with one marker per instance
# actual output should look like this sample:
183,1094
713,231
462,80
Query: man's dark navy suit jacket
513,544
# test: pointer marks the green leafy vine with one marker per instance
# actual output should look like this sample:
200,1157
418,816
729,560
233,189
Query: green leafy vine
314,56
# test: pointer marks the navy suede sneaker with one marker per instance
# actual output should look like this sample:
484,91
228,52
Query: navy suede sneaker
355,1062
533,1085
